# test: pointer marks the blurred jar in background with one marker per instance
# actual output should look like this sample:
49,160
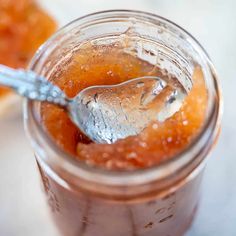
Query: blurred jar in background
24,26
159,200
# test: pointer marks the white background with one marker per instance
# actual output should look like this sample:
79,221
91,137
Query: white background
23,210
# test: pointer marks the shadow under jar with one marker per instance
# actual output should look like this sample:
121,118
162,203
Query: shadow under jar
157,200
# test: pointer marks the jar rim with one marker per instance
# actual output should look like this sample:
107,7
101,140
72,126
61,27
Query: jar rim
65,161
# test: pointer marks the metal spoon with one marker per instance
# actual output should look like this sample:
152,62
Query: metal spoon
105,113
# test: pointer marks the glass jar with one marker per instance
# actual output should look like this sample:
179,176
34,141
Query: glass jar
160,200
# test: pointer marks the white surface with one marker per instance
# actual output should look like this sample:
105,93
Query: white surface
23,210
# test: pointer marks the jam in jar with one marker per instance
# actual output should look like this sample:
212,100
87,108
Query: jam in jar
148,184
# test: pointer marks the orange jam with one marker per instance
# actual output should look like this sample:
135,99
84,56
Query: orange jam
23,28
99,65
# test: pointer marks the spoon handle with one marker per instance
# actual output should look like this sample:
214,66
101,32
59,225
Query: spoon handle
32,86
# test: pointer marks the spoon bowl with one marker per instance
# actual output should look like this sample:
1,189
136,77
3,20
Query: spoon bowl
108,113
